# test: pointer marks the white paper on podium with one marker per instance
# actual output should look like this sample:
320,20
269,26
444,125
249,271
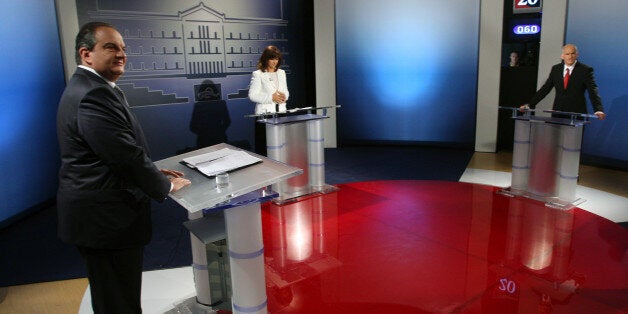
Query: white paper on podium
223,160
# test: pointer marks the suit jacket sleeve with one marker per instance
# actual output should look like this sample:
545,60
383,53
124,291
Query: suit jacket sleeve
283,83
591,86
257,91
546,88
114,135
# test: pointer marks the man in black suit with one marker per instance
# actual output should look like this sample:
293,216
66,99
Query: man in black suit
570,90
106,178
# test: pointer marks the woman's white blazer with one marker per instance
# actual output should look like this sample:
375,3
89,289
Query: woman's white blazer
262,88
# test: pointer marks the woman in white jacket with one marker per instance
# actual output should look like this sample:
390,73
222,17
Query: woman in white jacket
268,90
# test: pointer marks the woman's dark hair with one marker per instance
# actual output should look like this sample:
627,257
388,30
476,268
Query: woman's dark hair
86,37
271,52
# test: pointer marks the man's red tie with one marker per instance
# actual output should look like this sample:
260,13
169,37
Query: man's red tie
566,79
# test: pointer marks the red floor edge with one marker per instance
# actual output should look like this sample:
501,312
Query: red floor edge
440,247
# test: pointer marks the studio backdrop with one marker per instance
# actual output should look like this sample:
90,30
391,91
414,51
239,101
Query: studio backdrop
190,62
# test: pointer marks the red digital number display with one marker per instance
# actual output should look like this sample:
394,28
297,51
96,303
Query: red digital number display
526,6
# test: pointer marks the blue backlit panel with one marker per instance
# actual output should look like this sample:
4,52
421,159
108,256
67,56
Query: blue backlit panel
597,30
30,87
407,70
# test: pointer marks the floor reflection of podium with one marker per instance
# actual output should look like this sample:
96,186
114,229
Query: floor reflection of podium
546,157
536,271
303,250
227,222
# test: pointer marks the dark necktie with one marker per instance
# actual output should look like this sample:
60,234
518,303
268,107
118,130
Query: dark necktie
566,79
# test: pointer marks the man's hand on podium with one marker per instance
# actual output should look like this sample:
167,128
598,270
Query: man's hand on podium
179,183
177,180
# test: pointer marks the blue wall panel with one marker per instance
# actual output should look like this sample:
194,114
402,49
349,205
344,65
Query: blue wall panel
30,88
606,54
407,70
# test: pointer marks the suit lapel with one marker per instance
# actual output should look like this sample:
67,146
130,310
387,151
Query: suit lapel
575,75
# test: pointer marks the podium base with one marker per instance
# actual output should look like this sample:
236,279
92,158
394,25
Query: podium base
191,306
285,198
550,201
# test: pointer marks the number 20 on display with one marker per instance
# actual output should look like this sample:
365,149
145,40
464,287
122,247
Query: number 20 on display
527,6
527,3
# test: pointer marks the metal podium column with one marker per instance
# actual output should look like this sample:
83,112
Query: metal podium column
543,159
569,165
200,268
276,141
521,156
246,258
287,142
316,153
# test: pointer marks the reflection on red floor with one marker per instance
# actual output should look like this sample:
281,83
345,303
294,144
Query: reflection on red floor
440,247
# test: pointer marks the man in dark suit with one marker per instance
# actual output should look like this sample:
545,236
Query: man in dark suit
106,178
570,79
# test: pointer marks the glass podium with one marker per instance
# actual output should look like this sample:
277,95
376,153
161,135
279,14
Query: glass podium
298,140
226,232
546,156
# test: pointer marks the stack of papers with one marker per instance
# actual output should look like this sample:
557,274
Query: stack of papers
223,160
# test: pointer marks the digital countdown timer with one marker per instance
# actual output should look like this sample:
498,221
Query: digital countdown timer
526,29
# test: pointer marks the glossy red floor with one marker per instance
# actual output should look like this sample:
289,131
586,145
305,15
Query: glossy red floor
440,247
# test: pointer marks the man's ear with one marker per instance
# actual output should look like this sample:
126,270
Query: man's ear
86,55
